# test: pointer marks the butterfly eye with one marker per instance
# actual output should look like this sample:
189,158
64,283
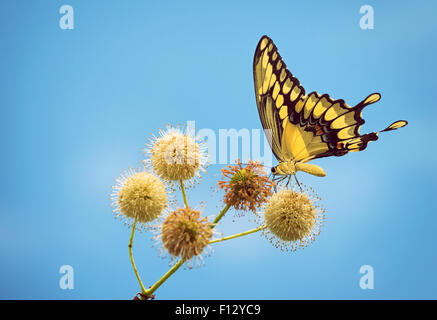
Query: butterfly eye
273,169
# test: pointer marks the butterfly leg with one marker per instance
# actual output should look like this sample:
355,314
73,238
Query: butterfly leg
297,181
274,179
288,181
278,179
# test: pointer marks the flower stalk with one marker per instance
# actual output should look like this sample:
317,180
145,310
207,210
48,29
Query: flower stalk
152,289
220,215
143,290
184,195
238,234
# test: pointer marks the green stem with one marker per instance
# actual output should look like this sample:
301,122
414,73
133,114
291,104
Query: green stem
238,235
220,215
132,258
173,269
183,193
152,289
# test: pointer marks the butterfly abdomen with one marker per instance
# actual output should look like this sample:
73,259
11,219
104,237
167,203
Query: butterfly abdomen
311,169
291,167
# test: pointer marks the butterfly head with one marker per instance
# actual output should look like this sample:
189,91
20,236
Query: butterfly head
284,169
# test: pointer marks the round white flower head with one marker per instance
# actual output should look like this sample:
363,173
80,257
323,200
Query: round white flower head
293,219
139,194
176,156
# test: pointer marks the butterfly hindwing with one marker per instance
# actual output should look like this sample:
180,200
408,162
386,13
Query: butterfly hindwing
328,124
337,125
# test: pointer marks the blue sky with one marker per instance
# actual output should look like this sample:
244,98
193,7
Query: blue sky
78,105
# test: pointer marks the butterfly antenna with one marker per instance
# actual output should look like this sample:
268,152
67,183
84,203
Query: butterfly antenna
297,181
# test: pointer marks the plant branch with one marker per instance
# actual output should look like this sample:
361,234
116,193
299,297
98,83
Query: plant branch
239,234
143,290
184,194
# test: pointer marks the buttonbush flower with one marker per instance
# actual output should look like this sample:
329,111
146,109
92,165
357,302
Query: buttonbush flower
293,219
185,234
177,156
247,188
140,194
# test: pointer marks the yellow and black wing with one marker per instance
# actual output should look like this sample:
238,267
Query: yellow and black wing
276,91
304,127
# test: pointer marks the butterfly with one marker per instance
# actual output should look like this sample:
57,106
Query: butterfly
302,127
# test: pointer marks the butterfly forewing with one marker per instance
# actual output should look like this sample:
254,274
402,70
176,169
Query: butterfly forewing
276,91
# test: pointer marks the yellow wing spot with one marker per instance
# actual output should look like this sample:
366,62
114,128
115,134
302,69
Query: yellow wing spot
260,91
374,97
276,90
264,43
282,75
264,60
294,93
299,105
398,124
287,86
274,56
320,107
279,101
346,133
309,105
283,112
272,79
334,111
279,65
270,47
344,120
353,146
267,78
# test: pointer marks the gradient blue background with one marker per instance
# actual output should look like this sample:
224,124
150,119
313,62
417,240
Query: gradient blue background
78,105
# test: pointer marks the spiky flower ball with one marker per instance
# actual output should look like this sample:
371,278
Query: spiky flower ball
177,156
185,234
293,219
139,194
247,188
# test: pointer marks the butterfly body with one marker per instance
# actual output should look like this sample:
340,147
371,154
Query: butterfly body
291,167
301,127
